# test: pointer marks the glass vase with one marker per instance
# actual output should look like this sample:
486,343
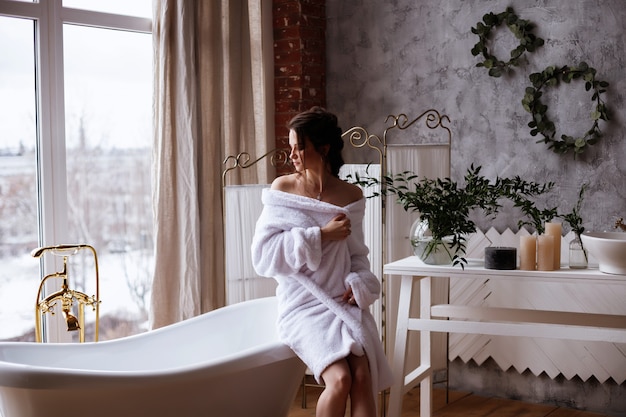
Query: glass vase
577,254
429,251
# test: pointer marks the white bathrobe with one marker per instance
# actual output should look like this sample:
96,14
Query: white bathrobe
312,277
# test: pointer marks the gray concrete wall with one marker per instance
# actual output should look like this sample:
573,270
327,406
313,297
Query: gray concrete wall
405,56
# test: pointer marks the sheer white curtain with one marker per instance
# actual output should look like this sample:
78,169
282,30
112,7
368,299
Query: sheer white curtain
213,89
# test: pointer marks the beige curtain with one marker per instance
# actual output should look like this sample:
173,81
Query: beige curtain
213,98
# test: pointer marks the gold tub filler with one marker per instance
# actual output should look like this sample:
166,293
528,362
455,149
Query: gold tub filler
65,295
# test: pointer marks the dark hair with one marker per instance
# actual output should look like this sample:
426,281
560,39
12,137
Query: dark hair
321,128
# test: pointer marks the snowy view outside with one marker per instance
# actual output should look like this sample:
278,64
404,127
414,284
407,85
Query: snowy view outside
108,138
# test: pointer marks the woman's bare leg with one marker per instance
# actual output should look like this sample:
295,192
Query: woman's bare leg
333,400
362,403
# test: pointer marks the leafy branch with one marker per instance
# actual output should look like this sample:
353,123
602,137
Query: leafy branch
574,218
520,192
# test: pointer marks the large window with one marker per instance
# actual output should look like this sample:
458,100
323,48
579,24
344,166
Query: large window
75,148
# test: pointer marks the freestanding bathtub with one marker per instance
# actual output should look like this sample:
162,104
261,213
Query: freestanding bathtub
226,363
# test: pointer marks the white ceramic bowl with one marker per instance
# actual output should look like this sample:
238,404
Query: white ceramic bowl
609,249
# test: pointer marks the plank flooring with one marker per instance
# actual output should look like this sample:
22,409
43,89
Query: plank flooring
460,404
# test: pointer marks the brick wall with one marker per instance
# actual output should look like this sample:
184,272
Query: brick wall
299,60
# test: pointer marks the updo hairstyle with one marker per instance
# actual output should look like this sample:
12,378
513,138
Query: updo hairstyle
321,128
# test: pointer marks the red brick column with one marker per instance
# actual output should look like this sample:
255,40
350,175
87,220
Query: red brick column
299,60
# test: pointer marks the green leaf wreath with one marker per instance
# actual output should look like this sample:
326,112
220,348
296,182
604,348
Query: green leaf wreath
541,123
521,29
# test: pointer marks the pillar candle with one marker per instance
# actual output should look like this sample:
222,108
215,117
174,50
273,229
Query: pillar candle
554,229
497,257
528,253
545,253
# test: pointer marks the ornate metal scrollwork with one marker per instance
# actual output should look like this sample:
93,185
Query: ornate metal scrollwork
432,119
359,138
279,158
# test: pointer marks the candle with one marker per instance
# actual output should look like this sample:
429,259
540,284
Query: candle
545,253
528,253
500,257
554,229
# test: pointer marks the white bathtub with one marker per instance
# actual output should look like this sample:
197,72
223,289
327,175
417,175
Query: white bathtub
226,363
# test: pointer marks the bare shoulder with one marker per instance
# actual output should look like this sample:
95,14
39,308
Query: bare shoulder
284,183
344,193
354,192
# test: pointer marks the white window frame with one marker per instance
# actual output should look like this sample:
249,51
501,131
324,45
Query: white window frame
49,17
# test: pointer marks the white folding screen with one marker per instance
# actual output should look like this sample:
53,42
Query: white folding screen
372,225
431,161
242,208
427,161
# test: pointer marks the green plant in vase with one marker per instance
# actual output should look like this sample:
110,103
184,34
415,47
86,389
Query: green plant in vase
443,205
577,252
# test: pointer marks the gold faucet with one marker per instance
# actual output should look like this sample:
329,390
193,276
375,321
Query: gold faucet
65,294
619,223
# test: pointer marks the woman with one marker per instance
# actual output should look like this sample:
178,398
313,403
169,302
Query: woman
309,237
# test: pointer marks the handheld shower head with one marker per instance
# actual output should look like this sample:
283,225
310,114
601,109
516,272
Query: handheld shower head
72,322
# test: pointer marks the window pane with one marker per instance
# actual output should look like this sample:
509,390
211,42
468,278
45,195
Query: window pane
108,93
19,275
139,8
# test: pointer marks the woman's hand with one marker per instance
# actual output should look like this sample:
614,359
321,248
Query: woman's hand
348,297
337,229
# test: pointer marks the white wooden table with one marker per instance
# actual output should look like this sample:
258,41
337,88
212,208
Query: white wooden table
485,320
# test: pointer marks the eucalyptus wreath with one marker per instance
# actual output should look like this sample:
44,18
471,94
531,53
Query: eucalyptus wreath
541,123
519,27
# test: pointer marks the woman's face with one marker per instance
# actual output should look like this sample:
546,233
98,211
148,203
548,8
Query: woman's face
314,158
297,155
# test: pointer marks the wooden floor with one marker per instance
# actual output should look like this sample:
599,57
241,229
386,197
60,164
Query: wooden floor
459,405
